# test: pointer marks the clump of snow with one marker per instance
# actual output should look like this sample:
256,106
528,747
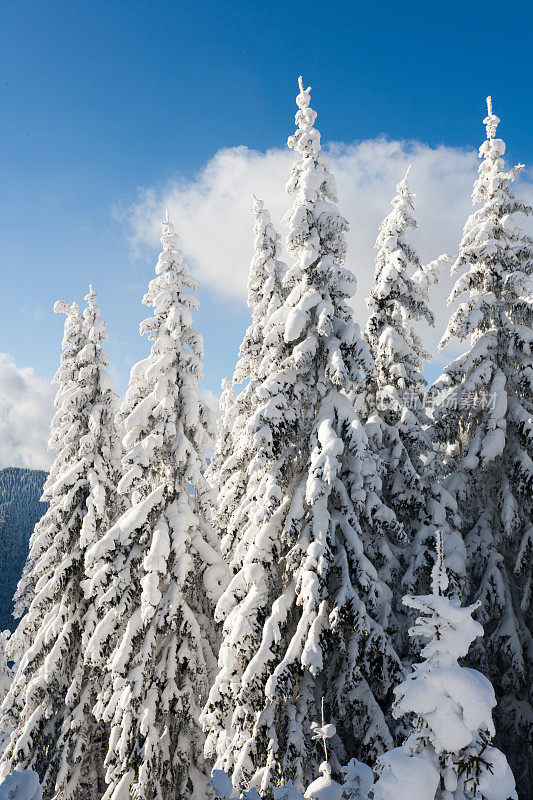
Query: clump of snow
324,787
23,785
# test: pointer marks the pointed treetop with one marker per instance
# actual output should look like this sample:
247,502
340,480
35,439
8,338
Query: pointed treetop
305,140
403,183
491,120
168,229
304,97
91,296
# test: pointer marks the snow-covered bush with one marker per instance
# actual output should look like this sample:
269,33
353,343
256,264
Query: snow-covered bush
448,754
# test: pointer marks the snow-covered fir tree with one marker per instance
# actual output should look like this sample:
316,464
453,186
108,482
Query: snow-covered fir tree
306,614
395,304
449,753
49,704
229,468
484,423
396,418
55,518
156,572
265,293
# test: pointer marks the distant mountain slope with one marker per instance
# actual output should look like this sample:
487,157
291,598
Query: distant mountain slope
20,508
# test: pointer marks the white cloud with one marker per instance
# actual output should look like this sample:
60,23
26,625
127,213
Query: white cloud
212,217
26,407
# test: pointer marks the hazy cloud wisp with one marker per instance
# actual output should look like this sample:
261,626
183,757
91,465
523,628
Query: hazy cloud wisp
26,407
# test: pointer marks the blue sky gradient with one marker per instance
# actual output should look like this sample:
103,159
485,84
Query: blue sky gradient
101,98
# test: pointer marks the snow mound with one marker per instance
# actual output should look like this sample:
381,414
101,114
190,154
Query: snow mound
22,785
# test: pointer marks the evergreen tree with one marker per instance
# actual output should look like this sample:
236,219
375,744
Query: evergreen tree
49,704
265,294
228,472
396,419
395,304
56,517
448,754
306,615
154,573
483,421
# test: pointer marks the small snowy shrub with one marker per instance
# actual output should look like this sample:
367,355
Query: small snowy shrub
448,754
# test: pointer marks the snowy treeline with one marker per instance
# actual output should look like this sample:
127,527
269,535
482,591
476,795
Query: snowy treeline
20,509
295,620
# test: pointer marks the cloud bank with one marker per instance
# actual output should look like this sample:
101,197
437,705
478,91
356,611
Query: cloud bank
212,216
26,407
212,210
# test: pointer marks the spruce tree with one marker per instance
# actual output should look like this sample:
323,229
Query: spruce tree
55,518
483,421
265,293
155,573
396,417
228,470
449,753
394,413
306,615
397,410
395,303
49,704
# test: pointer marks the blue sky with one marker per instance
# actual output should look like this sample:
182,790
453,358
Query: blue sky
103,100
